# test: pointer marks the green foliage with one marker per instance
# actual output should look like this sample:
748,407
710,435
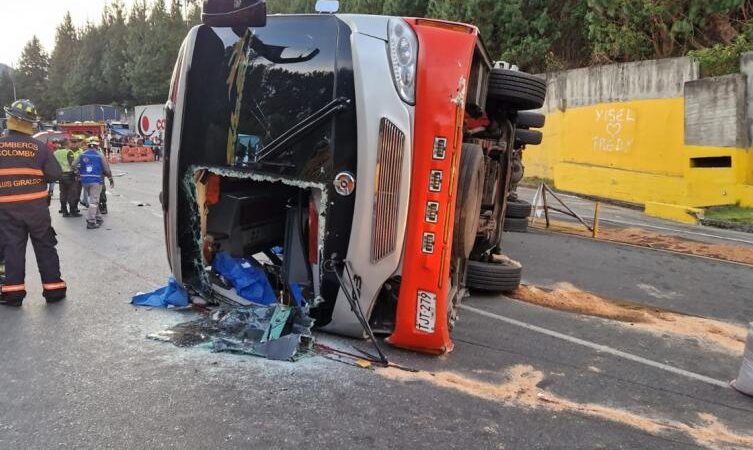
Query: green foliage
127,58
31,76
6,86
627,30
734,214
61,62
722,59
114,61
86,84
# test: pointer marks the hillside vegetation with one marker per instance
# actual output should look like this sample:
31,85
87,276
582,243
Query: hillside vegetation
127,57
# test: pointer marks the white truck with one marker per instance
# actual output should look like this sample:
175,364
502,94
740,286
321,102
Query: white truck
149,120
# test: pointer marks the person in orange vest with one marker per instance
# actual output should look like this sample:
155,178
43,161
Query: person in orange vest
26,166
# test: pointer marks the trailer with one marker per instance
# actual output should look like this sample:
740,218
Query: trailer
88,113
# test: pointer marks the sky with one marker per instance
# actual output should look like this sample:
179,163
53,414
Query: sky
22,19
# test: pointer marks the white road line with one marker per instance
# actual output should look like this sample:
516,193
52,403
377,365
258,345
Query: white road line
601,348
677,230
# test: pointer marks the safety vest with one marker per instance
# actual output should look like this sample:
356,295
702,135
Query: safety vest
22,159
90,167
65,158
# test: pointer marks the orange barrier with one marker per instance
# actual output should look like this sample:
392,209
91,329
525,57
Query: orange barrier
136,154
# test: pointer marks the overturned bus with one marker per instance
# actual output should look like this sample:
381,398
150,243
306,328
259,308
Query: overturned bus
365,159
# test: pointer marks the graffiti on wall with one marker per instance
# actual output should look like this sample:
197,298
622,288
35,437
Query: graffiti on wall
616,130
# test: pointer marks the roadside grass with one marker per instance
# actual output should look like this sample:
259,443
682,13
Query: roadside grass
535,182
735,214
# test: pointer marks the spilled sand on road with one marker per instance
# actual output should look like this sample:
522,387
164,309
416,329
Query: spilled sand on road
649,239
566,297
520,390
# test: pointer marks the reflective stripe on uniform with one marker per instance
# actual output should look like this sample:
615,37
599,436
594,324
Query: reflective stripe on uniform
54,286
14,288
23,197
22,171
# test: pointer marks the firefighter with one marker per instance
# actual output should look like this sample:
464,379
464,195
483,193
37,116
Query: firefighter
68,197
26,166
92,167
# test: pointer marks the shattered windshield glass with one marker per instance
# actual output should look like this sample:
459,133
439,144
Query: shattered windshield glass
273,78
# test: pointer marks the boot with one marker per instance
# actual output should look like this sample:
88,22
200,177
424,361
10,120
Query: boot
55,296
92,225
11,299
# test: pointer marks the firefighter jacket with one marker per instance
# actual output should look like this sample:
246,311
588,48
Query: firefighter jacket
26,166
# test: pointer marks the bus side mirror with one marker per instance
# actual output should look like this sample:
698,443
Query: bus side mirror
327,6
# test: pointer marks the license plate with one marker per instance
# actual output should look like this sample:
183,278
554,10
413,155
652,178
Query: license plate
426,312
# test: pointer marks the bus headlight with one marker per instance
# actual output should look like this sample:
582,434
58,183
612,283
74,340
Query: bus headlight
403,53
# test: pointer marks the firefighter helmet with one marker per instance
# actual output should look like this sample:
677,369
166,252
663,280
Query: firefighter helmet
94,140
22,110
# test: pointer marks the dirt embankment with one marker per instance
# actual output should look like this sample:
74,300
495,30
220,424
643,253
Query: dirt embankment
520,390
565,297
649,239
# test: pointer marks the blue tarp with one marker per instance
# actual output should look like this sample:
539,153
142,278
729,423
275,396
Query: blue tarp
171,295
249,282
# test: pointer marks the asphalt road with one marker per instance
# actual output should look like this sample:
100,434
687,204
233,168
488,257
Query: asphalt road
82,375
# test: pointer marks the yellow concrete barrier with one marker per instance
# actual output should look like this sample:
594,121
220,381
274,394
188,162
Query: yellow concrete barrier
684,214
634,151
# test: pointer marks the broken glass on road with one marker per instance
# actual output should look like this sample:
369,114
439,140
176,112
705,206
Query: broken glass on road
281,333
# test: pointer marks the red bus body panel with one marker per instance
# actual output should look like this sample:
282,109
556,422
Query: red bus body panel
444,62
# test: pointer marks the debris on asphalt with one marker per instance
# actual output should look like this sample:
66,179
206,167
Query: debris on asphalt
171,296
649,239
521,390
744,381
566,297
276,332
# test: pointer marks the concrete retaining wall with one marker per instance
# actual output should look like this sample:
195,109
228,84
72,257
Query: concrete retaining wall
648,132
619,82
715,112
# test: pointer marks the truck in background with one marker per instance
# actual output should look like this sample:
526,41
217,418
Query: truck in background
149,121
88,113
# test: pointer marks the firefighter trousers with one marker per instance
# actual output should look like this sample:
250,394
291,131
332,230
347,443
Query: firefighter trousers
68,193
21,222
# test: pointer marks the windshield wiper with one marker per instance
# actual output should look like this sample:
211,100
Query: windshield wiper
301,128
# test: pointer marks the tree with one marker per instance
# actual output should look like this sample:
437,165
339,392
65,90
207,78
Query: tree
6,87
61,62
363,6
141,52
31,76
409,8
86,84
290,6
114,60
627,30
193,13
